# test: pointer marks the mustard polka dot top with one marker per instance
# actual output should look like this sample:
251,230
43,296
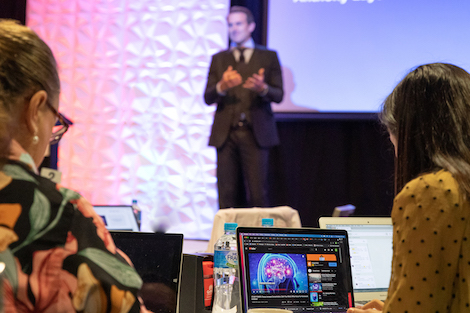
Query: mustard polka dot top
431,247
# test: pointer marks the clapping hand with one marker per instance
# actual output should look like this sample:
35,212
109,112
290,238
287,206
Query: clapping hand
256,82
230,79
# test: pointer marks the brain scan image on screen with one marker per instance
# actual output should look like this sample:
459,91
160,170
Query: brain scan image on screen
278,273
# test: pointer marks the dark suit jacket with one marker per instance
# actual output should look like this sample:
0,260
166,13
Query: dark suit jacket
261,115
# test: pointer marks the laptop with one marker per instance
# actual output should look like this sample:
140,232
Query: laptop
117,217
158,260
370,244
300,269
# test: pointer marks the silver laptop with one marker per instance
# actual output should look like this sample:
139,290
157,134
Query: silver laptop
118,217
370,244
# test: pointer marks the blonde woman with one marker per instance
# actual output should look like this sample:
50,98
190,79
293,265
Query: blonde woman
57,253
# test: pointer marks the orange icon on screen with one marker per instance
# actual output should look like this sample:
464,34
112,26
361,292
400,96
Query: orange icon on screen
321,257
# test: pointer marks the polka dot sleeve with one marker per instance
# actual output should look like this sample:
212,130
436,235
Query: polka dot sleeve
431,251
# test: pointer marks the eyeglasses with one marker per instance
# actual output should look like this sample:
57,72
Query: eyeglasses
60,128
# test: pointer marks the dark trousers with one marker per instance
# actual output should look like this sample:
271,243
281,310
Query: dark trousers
241,162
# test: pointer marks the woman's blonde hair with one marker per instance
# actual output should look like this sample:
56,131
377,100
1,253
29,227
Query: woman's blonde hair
27,65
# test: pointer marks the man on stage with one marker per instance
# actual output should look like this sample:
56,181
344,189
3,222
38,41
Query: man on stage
243,81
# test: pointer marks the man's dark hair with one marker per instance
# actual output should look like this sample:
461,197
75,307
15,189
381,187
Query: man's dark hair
239,9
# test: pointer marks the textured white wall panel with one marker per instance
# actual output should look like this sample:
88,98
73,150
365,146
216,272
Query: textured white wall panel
133,73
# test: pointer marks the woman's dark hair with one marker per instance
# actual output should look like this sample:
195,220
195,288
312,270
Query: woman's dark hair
428,113
27,65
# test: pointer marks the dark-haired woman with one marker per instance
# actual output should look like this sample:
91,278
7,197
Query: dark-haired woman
428,118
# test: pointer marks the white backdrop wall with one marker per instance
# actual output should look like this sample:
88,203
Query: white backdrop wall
133,73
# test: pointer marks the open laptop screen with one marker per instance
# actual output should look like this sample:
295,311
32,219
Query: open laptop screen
117,217
297,269
370,244
158,260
